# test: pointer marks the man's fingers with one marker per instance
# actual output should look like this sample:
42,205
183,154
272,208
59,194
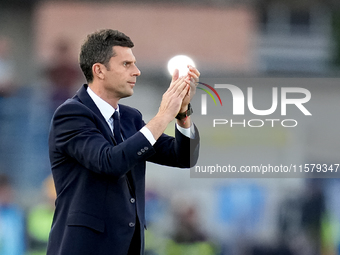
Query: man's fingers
175,75
193,75
174,79
175,84
193,84
194,70
184,91
181,86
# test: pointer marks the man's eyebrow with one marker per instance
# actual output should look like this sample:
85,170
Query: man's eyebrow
130,61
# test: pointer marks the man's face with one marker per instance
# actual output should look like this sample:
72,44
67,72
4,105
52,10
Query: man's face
121,73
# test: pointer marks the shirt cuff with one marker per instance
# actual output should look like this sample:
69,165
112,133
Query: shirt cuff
148,135
188,132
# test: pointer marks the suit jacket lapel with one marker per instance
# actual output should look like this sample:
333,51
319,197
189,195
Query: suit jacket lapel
87,100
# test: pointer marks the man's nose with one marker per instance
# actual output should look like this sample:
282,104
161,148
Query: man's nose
136,72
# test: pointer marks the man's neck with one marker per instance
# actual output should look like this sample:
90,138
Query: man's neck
102,93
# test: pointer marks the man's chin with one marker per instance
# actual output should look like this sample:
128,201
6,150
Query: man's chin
127,94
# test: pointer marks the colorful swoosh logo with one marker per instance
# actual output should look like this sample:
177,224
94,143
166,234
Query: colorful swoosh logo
209,93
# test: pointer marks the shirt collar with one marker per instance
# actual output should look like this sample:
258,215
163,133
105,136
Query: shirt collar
104,107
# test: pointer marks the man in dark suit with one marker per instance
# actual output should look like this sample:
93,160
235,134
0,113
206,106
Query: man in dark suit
98,150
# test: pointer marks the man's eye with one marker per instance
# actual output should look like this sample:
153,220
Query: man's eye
125,63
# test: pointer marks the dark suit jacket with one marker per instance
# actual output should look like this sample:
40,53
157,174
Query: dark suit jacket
96,205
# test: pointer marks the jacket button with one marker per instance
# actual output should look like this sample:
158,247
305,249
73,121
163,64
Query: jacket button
132,200
142,150
131,224
146,148
139,153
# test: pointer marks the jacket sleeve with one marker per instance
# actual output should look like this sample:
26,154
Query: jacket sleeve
74,135
180,151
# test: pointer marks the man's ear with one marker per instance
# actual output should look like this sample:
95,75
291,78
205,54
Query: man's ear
98,71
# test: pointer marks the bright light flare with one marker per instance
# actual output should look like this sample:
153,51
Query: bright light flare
181,63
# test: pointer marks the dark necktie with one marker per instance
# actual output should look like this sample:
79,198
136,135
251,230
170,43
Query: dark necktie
118,137
116,128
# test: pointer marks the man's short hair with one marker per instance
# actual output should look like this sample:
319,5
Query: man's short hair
97,48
